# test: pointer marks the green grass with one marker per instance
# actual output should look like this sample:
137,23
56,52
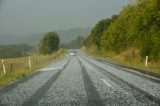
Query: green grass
139,65
20,67
153,66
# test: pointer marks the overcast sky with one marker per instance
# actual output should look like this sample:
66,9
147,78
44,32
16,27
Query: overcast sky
34,16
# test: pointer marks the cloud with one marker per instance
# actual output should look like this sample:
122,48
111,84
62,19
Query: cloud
1,3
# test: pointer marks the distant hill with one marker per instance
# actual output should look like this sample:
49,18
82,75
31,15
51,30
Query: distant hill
66,36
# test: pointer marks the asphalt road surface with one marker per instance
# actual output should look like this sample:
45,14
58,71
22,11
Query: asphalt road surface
83,81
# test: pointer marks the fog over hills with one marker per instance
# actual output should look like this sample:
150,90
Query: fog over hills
65,35
26,21
68,35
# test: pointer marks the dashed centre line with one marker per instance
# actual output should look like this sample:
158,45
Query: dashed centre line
51,69
105,82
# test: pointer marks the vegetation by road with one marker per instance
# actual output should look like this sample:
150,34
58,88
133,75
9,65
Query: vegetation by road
17,68
129,36
153,67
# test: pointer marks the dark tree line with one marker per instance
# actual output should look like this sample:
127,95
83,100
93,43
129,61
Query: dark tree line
12,51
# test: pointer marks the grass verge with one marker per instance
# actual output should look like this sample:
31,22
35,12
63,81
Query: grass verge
18,67
126,59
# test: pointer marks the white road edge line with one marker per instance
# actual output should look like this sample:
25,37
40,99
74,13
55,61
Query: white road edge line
105,82
142,74
131,70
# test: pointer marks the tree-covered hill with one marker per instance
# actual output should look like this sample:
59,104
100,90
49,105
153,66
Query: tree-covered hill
136,26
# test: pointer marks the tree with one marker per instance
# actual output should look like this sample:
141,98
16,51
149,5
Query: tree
95,36
49,43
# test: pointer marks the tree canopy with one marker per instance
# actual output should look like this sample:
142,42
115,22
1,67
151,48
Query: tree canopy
95,36
49,43
137,25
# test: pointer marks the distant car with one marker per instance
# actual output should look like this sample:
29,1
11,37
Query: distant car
73,53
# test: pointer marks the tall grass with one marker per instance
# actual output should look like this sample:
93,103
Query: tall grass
130,57
18,67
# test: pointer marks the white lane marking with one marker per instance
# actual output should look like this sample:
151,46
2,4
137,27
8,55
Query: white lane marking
142,74
105,82
50,69
90,67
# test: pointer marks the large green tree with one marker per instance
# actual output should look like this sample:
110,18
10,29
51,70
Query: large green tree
49,43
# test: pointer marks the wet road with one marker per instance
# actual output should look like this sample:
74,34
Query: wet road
83,81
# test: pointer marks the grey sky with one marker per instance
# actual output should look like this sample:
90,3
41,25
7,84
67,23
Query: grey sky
32,16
